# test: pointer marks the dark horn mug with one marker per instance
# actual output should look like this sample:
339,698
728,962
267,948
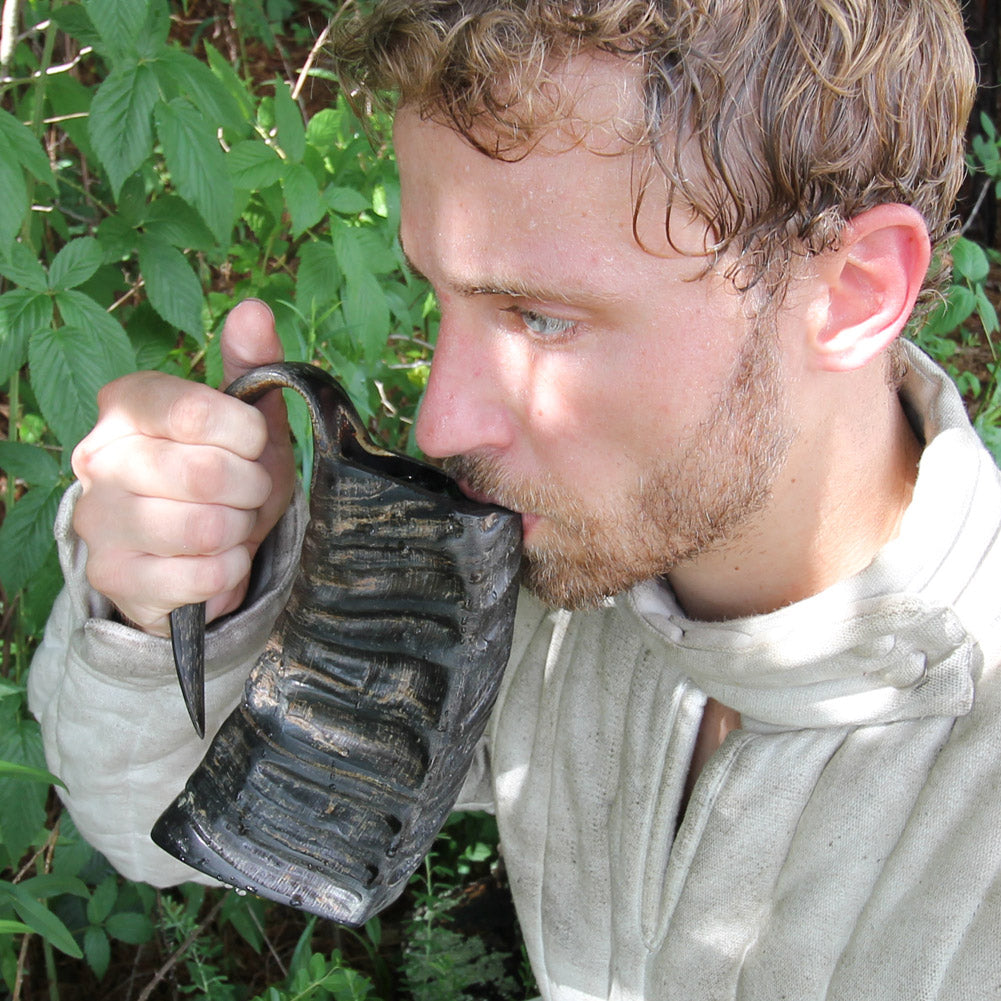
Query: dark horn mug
326,786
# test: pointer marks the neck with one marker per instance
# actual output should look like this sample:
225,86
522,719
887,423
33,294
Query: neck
838,500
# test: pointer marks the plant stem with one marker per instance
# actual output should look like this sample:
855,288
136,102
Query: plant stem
8,33
50,969
181,950
37,117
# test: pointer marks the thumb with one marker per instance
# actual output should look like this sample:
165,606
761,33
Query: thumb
248,339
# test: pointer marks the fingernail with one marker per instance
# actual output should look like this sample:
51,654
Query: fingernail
260,302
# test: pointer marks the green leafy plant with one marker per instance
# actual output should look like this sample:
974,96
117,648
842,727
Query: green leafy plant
149,182
960,333
442,959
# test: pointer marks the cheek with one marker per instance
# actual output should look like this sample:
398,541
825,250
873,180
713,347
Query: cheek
587,423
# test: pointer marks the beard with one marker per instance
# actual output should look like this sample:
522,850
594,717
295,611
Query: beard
694,501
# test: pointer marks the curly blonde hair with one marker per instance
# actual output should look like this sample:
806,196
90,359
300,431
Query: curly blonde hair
803,113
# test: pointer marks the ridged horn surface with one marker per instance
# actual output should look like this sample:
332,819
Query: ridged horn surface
326,786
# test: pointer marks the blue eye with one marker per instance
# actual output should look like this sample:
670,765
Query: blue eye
544,326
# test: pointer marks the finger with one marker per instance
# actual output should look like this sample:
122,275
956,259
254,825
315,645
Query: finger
146,588
159,527
162,406
155,467
248,339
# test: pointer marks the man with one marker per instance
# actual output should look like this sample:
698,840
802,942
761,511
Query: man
674,245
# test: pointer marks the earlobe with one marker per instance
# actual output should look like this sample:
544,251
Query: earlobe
872,281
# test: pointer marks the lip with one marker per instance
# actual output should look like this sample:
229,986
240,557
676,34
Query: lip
475,495
528,521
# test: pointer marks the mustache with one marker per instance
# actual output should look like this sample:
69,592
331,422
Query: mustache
483,476
487,477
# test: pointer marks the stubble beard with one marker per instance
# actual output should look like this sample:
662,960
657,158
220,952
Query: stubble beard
696,501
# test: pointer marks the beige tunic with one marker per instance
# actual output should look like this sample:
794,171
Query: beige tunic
844,843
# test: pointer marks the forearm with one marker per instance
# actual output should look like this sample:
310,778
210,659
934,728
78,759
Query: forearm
112,717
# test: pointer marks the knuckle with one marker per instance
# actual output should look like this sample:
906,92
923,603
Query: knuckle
82,523
189,416
81,459
205,531
205,473
214,577
217,574
108,394
113,393
104,575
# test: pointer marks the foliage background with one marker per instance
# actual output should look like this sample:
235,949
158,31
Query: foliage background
159,160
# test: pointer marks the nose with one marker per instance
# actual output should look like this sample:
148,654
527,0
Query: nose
464,407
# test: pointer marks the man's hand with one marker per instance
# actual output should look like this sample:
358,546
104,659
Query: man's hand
182,483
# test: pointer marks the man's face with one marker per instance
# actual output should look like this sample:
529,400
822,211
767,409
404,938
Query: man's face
626,406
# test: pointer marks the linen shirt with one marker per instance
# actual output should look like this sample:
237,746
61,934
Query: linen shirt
845,842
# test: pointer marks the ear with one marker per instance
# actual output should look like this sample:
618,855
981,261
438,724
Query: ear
872,280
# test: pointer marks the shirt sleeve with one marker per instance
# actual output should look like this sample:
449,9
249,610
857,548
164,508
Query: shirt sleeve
113,721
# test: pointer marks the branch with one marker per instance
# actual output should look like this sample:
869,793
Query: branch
310,59
8,33
181,950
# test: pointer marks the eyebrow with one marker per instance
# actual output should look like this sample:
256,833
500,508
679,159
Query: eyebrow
518,289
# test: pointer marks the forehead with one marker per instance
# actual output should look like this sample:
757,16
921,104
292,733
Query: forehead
571,194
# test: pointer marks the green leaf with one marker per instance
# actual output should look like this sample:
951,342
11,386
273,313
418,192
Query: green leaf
67,96
152,38
22,145
182,73
288,121
39,594
22,804
132,204
960,302
323,130
41,920
75,263
366,315
69,366
118,21
350,254
231,81
102,900
246,915
97,949
120,128
378,256
48,885
13,200
969,260
253,165
117,237
73,20
196,163
172,220
79,310
25,540
30,463
318,277
130,927
302,196
987,312
22,268
173,288
22,312
13,928
347,201
8,688
14,771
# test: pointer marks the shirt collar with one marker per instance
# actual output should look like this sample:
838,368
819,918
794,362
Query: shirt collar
886,644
